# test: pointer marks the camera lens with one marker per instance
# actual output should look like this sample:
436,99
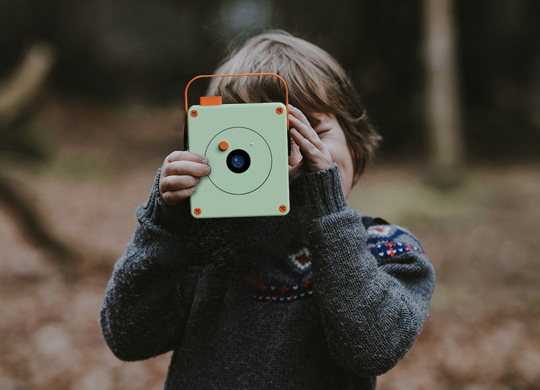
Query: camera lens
238,161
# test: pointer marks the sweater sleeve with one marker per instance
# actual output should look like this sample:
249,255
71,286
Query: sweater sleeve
373,289
143,310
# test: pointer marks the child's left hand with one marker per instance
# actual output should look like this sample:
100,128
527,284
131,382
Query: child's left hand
308,152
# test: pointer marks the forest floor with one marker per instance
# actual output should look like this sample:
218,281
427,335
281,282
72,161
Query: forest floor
483,331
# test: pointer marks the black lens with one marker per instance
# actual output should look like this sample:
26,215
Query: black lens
238,161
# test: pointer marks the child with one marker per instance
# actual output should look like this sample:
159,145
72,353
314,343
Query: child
318,299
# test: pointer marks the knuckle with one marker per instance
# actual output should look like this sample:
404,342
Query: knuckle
167,198
175,156
162,182
165,184
165,170
170,157
312,148
186,193
179,167
193,181
174,168
182,182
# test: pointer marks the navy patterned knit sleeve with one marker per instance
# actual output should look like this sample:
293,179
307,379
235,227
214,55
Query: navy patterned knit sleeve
373,287
142,314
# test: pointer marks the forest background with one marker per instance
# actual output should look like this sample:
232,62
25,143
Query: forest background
91,101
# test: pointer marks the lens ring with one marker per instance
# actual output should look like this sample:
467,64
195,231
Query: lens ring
238,161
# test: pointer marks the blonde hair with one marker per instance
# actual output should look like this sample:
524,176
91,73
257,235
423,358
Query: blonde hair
317,85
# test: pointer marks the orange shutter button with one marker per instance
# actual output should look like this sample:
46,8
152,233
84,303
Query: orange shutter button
224,145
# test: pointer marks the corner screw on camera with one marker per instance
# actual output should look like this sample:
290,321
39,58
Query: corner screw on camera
279,110
194,113
197,211
282,208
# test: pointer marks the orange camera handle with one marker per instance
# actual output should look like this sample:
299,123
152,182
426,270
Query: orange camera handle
232,75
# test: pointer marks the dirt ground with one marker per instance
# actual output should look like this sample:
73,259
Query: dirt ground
483,331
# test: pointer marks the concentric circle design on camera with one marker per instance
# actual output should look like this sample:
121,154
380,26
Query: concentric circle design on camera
244,166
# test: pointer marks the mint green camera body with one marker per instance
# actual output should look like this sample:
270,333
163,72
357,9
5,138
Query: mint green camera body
233,137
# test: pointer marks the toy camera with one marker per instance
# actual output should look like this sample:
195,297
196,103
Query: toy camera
247,147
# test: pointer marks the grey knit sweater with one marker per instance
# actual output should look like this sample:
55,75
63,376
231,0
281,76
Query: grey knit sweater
311,300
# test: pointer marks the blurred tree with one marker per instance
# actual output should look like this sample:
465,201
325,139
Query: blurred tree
17,96
378,44
442,105
147,50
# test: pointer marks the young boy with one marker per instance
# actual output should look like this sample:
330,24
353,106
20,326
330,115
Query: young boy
318,299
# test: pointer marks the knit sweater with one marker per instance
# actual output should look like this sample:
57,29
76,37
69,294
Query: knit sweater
311,300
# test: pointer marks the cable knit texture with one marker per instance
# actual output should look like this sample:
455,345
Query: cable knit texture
311,300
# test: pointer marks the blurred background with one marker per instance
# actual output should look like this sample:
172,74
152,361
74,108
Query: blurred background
91,102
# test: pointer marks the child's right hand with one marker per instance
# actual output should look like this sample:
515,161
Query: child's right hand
180,173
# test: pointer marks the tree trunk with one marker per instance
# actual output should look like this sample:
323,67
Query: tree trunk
19,91
442,103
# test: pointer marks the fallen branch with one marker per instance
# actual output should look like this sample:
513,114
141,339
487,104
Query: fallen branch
31,224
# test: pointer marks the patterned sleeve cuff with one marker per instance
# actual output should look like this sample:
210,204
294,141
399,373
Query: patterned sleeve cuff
321,191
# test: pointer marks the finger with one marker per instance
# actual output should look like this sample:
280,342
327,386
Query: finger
174,197
177,182
295,156
298,114
307,132
315,159
307,148
181,155
186,168
301,123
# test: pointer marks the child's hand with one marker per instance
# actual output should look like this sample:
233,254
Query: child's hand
308,152
180,173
